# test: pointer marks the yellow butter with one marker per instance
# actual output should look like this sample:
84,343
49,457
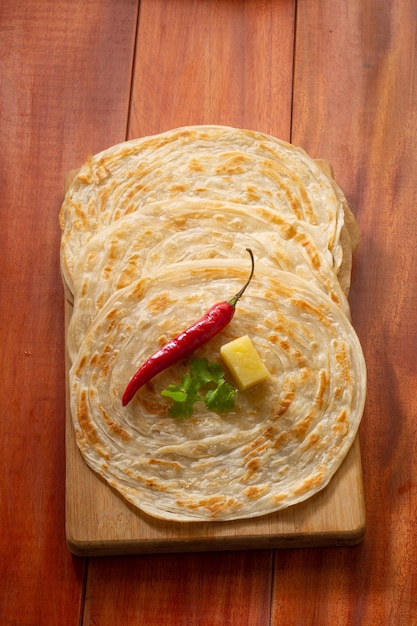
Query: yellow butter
244,362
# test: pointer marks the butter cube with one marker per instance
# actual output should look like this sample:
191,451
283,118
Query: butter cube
244,363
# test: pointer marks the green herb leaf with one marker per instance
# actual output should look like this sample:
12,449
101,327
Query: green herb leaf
181,410
206,371
184,396
218,394
222,398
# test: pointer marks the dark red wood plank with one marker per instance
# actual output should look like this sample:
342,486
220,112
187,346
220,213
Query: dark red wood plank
355,98
65,83
224,588
210,62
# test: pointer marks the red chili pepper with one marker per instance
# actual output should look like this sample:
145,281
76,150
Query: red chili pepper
216,318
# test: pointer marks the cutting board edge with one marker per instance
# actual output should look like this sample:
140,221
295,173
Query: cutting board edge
88,548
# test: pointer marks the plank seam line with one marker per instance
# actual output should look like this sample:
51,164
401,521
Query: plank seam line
271,591
132,72
83,592
294,52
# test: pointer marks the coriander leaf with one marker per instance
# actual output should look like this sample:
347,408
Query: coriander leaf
206,371
175,394
222,398
204,383
184,396
187,387
181,409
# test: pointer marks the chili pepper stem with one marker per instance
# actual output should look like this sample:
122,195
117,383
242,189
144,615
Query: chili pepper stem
240,293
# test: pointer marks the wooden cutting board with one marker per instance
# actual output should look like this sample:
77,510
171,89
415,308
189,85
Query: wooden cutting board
100,522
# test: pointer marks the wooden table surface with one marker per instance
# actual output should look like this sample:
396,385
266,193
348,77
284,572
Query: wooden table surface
338,78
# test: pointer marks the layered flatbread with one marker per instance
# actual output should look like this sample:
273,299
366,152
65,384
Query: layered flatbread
284,439
206,162
154,232
138,244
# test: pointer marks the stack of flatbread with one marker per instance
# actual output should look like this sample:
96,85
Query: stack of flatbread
154,232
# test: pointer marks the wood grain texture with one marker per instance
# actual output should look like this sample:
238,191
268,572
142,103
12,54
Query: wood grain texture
208,62
57,61
348,95
355,104
213,589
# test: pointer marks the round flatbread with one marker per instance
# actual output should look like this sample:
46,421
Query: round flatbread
207,162
285,438
161,234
